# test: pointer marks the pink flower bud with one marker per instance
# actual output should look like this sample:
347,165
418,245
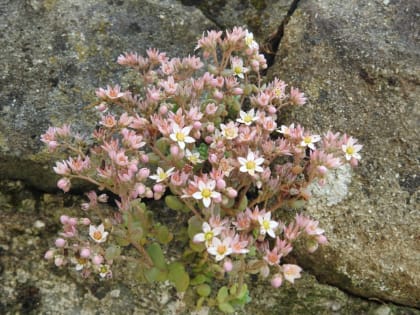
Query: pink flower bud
59,242
210,127
149,193
228,266
322,169
238,91
321,239
231,192
218,95
85,221
64,219
213,158
85,252
158,188
85,206
272,110
97,260
174,150
72,221
144,158
64,184
163,109
143,173
218,199
208,139
197,125
220,184
49,254
276,281
59,261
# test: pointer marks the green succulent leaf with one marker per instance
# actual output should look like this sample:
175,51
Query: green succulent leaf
156,254
178,276
226,308
112,252
203,290
222,294
174,203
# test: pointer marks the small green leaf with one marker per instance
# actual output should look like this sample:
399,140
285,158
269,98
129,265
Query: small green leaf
222,294
199,279
226,308
174,203
163,235
178,276
112,252
244,203
155,274
195,226
203,290
163,145
156,254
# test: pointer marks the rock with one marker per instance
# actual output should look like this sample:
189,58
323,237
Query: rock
358,63
56,53
259,16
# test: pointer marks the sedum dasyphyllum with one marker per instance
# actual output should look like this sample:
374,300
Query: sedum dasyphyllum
205,136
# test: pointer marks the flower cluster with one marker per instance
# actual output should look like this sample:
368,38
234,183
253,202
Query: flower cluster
205,135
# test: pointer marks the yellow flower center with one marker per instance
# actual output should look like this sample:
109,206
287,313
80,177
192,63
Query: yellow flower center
250,165
266,225
307,140
208,236
206,193
97,235
180,136
237,69
350,150
248,118
103,269
162,175
221,249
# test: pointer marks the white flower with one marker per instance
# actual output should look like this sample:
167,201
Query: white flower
219,248
309,140
249,40
267,226
193,157
207,235
291,272
351,149
251,165
181,136
104,271
238,67
98,233
247,118
229,131
206,192
286,130
162,175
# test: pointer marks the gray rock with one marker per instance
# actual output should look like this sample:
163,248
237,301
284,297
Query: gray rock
358,63
55,53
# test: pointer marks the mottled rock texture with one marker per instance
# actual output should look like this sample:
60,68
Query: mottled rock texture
56,53
358,62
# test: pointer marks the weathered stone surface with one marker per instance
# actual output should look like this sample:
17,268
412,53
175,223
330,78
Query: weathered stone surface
260,16
55,53
30,285
358,63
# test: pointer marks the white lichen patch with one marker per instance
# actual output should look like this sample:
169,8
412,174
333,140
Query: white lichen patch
335,188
